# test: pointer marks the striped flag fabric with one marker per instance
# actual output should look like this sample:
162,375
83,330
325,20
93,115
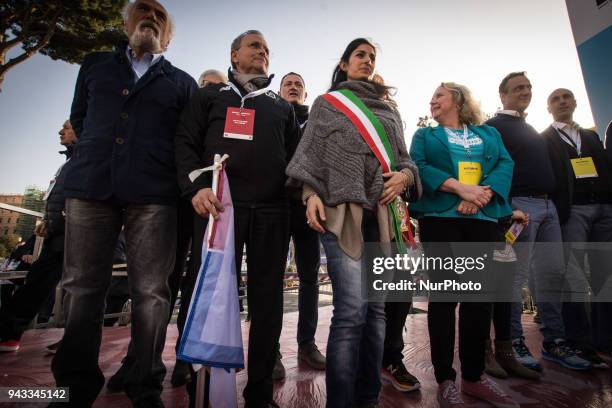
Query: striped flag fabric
212,335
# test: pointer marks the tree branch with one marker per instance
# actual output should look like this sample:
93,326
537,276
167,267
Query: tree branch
7,45
32,50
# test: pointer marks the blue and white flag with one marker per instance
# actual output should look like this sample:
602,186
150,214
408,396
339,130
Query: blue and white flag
212,335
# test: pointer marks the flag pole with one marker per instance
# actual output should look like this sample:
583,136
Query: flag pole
201,388
215,189
202,373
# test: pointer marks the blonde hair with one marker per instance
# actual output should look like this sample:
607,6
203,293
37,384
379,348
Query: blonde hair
467,107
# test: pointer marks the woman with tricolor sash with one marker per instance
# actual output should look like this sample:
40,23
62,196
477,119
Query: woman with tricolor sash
356,175
466,173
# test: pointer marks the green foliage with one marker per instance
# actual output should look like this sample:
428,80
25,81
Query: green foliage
62,29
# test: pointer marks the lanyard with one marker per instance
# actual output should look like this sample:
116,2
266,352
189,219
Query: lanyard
466,144
247,96
570,141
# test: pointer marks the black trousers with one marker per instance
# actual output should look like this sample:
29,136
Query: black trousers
265,232
18,311
396,313
474,317
188,282
502,311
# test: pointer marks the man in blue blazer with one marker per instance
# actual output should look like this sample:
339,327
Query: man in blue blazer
125,112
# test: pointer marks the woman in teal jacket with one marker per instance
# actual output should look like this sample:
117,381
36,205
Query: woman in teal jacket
466,174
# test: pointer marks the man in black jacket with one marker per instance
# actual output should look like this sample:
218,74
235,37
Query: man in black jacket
259,132
583,197
125,111
46,271
306,248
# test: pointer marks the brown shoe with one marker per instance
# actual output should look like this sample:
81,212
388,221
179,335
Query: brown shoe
310,354
504,354
491,366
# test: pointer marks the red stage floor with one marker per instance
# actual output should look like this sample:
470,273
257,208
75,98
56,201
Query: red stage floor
303,387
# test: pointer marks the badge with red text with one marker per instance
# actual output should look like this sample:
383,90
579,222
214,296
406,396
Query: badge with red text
239,123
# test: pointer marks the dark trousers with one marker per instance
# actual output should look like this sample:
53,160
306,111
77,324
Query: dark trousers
396,313
502,311
307,261
474,317
188,282
184,227
92,228
184,232
587,321
19,310
265,232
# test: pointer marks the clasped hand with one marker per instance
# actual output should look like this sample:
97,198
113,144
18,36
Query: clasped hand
473,198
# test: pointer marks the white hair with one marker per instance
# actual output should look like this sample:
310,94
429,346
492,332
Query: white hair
127,12
212,72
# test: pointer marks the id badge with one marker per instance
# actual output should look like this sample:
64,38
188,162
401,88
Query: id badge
239,123
470,173
402,212
584,167
515,230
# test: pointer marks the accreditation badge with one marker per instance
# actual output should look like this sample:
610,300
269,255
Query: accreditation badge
239,123
584,167
470,173
402,212
515,230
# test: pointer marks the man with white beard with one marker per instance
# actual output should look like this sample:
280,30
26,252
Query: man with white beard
125,112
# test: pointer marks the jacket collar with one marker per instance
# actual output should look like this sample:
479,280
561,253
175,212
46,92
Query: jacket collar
162,65
232,79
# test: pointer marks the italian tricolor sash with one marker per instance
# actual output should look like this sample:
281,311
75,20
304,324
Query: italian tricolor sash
373,133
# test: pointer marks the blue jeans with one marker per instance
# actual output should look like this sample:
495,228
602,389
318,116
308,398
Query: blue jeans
356,334
545,263
588,223
92,228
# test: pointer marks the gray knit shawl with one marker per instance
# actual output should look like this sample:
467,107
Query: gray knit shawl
333,158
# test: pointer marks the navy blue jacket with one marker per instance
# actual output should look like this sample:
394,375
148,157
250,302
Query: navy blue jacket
126,130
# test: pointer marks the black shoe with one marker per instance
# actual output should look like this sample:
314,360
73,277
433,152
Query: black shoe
117,381
180,374
278,373
400,378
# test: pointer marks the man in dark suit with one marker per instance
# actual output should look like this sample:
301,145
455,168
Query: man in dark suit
125,112
582,195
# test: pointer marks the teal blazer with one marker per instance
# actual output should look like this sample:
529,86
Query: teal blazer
430,151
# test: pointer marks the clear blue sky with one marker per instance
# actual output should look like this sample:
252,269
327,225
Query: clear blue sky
474,42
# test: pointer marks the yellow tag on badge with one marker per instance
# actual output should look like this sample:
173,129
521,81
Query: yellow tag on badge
470,173
584,167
